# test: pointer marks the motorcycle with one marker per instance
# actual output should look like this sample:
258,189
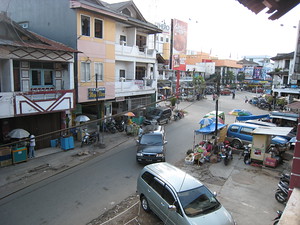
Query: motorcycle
226,153
285,178
246,154
178,115
276,220
110,126
89,138
282,191
120,125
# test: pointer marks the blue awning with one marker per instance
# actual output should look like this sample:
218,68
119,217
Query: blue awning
244,118
210,129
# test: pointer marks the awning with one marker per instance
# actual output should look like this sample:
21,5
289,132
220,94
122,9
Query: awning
210,128
278,131
244,118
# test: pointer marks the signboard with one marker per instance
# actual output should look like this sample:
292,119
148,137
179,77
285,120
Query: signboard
179,35
93,92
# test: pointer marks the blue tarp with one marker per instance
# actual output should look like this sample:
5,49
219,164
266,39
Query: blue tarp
210,128
244,118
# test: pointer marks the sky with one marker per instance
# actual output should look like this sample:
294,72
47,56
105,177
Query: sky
225,28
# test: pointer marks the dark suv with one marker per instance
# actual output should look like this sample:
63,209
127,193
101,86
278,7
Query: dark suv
151,146
158,115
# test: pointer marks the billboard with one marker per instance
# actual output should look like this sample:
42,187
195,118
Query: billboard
179,34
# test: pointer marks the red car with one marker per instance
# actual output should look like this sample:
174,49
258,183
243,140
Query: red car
225,92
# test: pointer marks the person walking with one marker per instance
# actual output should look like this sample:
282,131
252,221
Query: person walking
246,99
31,146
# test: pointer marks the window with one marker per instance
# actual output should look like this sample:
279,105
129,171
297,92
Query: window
167,40
148,177
161,39
98,28
122,40
85,25
141,41
234,128
126,12
122,73
247,130
286,64
99,71
41,77
168,196
85,73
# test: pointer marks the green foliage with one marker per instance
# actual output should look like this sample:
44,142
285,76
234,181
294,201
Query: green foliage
241,77
173,101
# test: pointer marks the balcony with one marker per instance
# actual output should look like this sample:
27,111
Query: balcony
35,102
135,87
124,52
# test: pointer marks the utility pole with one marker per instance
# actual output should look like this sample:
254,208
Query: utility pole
100,137
217,108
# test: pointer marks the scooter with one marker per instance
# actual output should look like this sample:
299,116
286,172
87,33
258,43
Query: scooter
276,220
89,138
282,191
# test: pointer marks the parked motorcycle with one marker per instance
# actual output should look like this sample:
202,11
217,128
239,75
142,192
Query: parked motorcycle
110,126
89,138
276,220
178,115
285,178
226,153
281,194
246,154
120,125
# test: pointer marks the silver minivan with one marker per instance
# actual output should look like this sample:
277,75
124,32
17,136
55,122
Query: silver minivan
178,198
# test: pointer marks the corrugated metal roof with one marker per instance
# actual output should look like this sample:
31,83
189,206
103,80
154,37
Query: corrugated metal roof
276,8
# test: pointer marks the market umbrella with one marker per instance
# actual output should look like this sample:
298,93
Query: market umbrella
244,113
129,114
234,112
219,120
205,121
82,118
18,133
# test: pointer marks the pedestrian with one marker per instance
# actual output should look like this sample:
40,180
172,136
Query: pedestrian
140,131
233,94
246,99
31,146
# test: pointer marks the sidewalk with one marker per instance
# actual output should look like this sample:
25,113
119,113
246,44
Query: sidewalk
51,161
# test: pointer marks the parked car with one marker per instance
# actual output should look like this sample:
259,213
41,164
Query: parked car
239,134
151,146
158,115
178,198
225,91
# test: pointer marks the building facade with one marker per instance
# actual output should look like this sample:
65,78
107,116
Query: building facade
36,82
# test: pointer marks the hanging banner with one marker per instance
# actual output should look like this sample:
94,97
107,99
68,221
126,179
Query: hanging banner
179,44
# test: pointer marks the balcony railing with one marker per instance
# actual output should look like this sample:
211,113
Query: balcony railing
135,87
134,51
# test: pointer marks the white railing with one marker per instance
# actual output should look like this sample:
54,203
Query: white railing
134,87
134,51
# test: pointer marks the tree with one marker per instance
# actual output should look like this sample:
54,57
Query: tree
241,77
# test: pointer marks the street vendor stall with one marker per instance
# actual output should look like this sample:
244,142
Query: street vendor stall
261,145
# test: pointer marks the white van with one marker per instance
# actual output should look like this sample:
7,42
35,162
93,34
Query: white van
178,198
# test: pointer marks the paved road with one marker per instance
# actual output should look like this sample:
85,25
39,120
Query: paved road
81,194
